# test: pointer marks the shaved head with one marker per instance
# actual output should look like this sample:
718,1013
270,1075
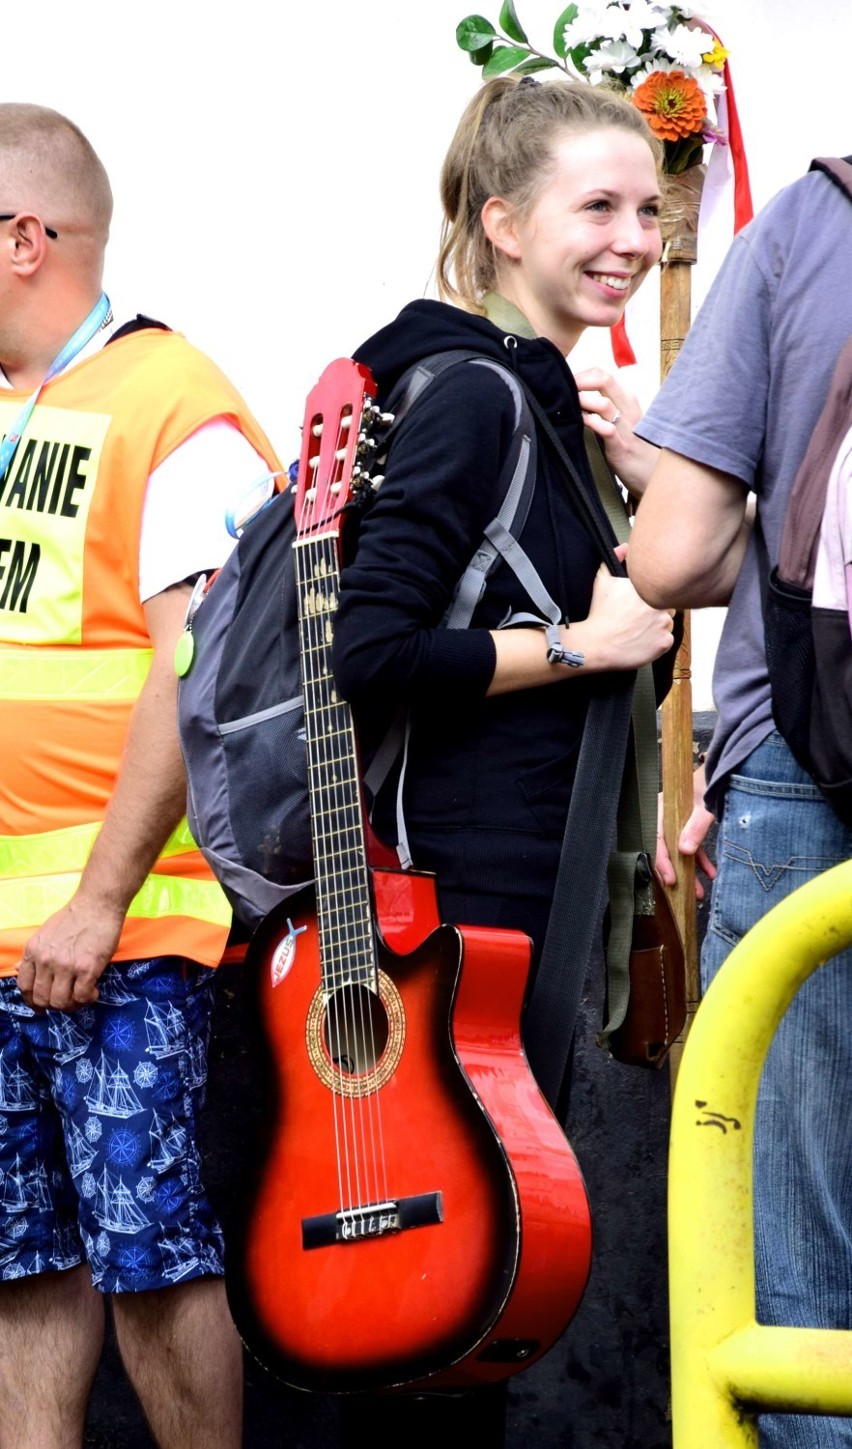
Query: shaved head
47,166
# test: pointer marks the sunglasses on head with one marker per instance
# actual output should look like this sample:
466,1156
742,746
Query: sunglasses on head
10,216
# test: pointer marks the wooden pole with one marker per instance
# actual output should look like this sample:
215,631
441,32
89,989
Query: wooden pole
679,224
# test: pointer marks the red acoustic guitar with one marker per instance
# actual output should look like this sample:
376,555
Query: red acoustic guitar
418,1217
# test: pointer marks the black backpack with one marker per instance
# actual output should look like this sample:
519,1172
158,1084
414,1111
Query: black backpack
809,638
240,708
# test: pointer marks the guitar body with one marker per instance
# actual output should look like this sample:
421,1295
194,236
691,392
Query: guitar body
387,1304
448,1113
416,1217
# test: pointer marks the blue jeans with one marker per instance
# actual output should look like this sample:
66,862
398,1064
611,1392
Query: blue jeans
776,833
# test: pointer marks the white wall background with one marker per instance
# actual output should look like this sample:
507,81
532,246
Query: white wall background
275,165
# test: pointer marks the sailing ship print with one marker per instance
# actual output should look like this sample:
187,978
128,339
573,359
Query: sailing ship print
112,991
22,1190
112,1094
81,1152
165,1030
66,1037
179,1257
115,1207
66,1247
17,1092
168,1143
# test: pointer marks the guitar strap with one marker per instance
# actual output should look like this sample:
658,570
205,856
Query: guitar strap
587,847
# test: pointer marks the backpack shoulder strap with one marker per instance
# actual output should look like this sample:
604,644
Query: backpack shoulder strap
515,488
806,504
837,168
517,476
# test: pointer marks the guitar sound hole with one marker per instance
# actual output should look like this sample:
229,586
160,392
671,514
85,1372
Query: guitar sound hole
355,1029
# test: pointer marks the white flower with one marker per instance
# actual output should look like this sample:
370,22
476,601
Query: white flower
683,45
690,12
592,23
618,56
643,15
606,20
649,68
712,82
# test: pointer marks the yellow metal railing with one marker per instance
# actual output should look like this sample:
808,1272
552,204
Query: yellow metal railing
726,1368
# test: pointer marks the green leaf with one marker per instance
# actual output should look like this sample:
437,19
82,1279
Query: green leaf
538,62
579,56
565,18
510,22
479,57
474,32
505,57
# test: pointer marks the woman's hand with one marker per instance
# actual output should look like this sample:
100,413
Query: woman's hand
622,631
691,838
613,413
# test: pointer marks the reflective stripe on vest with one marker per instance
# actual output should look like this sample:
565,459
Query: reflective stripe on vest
26,904
41,872
78,674
58,852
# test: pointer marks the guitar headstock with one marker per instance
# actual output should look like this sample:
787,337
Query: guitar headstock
341,417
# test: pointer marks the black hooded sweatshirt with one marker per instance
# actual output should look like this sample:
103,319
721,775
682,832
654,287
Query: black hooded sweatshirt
488,781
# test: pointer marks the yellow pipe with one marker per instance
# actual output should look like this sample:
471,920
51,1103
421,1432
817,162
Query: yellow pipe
724,1366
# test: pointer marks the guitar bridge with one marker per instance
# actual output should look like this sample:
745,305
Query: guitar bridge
372,1220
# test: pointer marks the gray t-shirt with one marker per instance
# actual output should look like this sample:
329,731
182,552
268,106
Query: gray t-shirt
744,396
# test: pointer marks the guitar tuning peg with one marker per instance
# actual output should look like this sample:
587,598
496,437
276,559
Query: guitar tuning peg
314,462
386,418
376,483
346,423
340,455
316,430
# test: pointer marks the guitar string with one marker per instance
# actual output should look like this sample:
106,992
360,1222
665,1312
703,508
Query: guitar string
374,1099
304,569
369,1104
350,941
348,911
324,571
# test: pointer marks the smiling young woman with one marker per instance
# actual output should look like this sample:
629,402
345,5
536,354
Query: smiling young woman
550,195
574,257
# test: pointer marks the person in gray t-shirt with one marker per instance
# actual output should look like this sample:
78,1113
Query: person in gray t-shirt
735,415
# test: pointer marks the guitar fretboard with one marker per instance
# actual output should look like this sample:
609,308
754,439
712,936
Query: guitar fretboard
344,915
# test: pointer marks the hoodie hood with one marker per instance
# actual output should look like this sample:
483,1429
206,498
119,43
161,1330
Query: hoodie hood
426,327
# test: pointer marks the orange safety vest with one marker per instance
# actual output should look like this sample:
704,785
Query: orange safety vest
74,648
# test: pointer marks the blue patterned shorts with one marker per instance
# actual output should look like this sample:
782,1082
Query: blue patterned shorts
99,1111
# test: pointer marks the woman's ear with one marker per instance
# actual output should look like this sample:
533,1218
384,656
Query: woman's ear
499,224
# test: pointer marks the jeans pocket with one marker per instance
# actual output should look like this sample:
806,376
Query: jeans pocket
773,838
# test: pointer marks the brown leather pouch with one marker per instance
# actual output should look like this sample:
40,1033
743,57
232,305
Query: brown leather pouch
656,1008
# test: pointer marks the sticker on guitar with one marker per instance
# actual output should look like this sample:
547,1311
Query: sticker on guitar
285,954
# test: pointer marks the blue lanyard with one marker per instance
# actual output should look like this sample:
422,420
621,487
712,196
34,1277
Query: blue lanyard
85,332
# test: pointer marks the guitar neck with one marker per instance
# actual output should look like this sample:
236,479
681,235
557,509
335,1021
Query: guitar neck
344,907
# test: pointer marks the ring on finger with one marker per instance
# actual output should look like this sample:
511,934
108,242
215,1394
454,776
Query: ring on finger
616,419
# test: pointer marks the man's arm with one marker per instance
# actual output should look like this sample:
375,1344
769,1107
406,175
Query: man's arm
689,535
63,960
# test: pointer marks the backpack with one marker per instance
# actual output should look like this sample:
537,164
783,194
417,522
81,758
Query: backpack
240,706
807,603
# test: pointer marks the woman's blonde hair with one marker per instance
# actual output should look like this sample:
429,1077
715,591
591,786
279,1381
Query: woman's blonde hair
503,146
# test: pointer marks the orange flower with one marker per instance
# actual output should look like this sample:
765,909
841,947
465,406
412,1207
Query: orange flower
673,104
